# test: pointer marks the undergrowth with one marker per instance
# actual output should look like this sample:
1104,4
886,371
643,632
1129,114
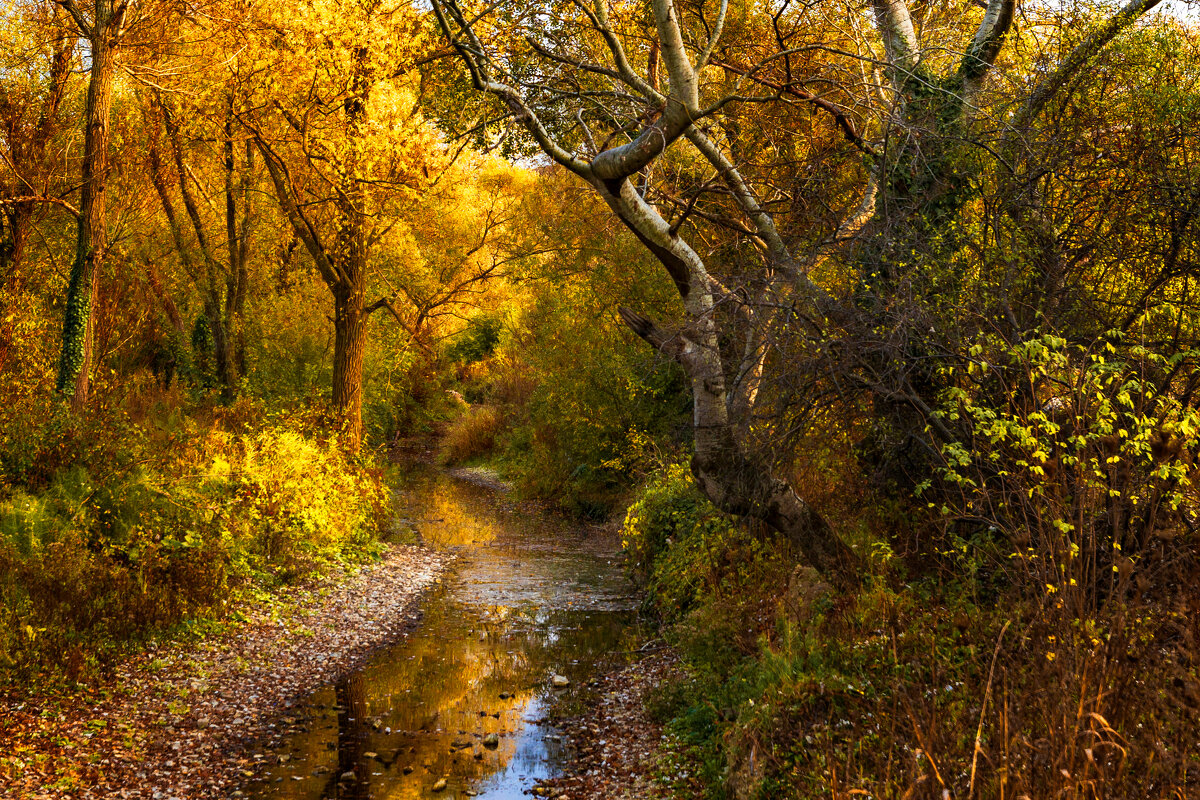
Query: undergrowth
945,684
123,523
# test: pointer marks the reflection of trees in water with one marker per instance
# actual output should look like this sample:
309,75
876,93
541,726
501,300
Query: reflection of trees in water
457,664
450,515
352,735
447,678
500,627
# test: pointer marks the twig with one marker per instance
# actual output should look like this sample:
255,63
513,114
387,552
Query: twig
983,710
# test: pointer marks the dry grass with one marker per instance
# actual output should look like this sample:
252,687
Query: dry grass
471,435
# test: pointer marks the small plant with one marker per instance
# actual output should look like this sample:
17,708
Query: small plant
1084,472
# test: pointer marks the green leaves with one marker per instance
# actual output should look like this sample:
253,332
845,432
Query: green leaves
1072,447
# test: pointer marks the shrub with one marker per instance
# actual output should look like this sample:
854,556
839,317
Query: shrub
471,435
103,557
477,340
296,500
1078,468
687,552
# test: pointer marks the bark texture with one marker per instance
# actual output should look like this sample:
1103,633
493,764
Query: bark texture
349,345
75,362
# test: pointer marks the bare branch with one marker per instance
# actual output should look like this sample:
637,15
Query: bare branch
54,201
716,36
1092,44
471,53
76,13
778,255
599,19
840,115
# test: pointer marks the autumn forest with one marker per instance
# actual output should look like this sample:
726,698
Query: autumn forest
862,337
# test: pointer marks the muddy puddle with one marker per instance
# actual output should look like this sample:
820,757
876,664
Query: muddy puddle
457,708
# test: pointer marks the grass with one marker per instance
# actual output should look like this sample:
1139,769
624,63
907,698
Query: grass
471,435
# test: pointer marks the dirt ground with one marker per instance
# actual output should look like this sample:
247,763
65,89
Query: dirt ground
617,745
179,721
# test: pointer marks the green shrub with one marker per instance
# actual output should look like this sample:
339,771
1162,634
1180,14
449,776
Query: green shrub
1077,472
597,407
687,552
477,340
101,558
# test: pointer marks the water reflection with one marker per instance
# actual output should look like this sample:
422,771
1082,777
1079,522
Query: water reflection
453,710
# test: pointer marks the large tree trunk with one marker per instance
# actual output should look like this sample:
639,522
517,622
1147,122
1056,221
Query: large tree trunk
732,478
74,366
349,345
726,470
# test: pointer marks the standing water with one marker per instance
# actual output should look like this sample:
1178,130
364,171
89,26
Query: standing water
456,709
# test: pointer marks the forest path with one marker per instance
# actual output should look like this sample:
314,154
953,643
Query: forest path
177,720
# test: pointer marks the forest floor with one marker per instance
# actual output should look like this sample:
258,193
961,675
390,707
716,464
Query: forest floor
618,749
182,720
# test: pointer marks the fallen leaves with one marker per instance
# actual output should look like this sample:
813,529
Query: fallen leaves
616,744
176,721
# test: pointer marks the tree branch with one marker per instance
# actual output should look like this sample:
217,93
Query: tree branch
1092,44
54,201
981,55
471,53
76,13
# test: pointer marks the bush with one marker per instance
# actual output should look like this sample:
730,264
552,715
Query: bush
471,435
100,557
1040,667
477,340
294,502
687,552
1079,464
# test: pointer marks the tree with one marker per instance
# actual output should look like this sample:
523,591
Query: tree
344,145
222,274
622,100
461,238
104,30
31,116
35,98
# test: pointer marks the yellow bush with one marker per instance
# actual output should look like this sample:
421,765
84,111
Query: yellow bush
167,528
296,497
